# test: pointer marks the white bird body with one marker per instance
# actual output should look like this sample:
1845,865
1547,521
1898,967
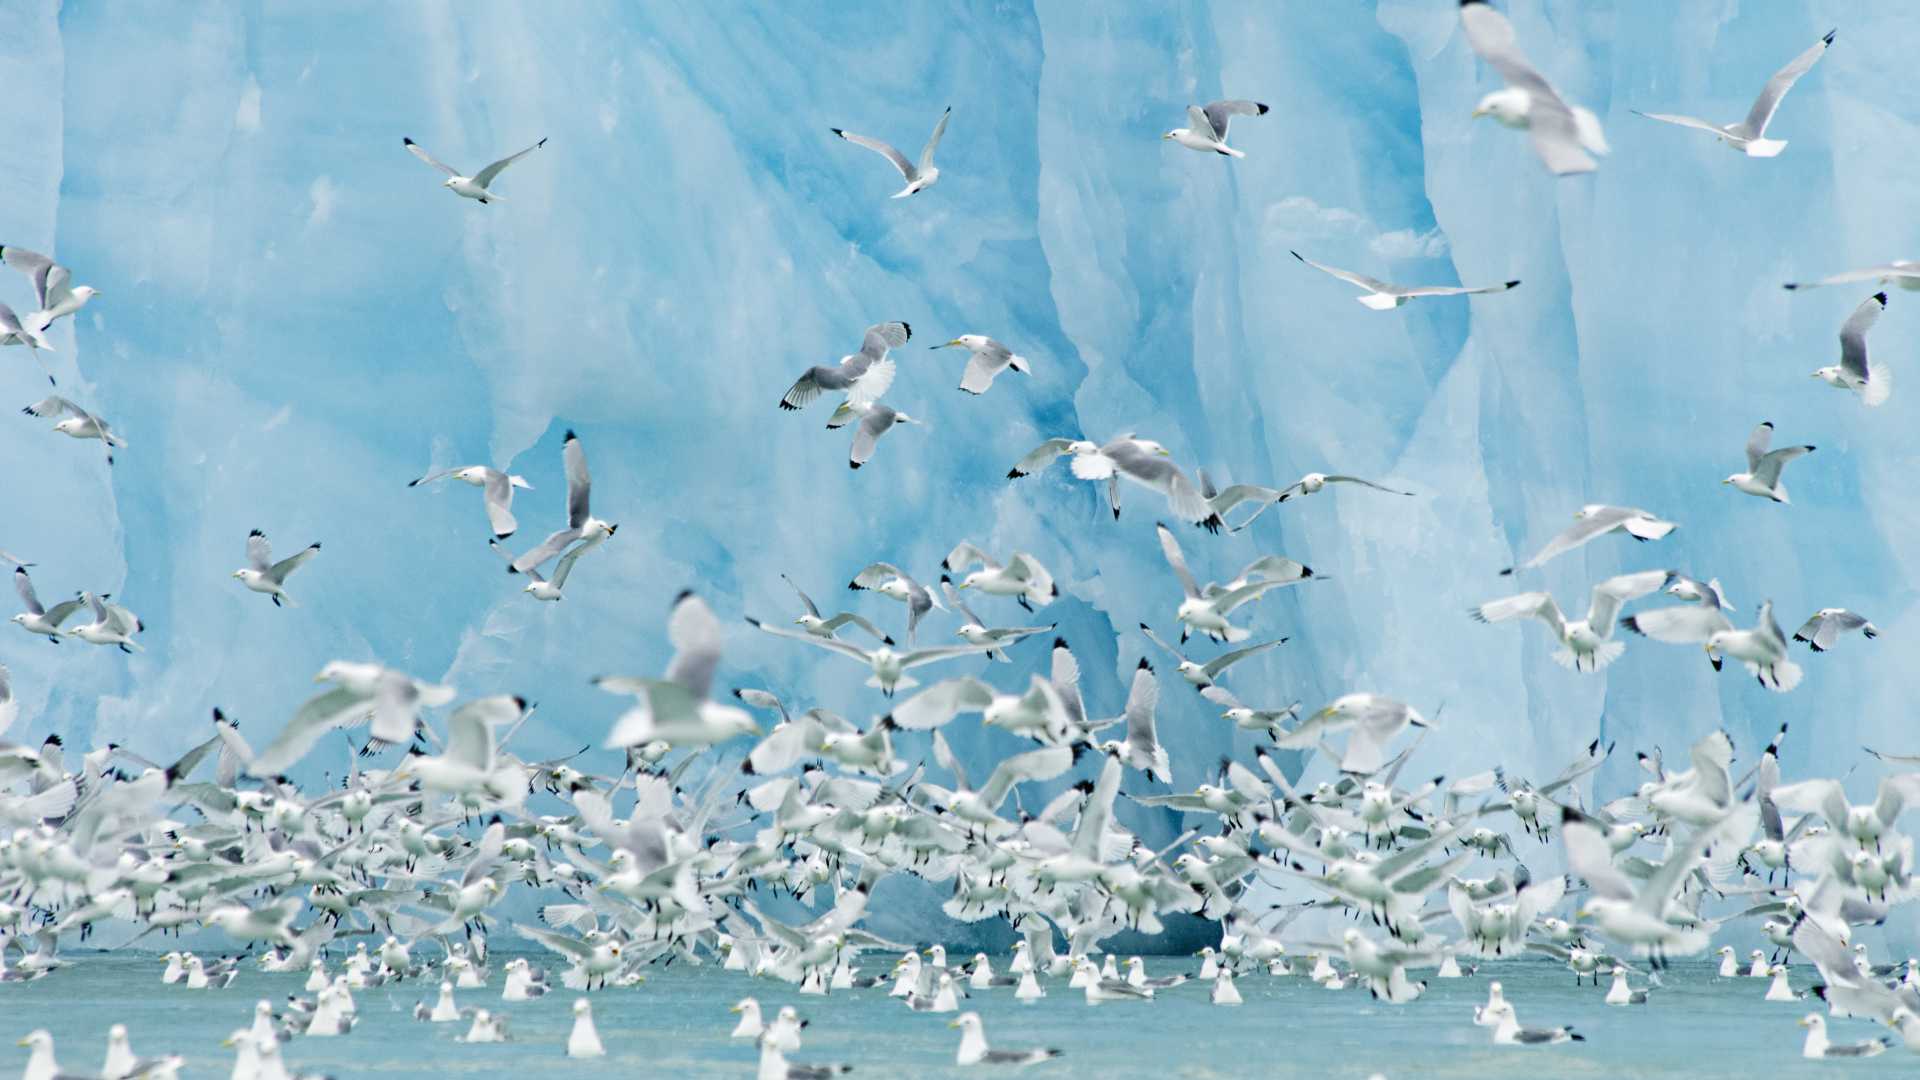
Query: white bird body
584,1040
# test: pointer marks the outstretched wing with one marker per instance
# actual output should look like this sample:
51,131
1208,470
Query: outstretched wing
1769,100
485,176
1527,605
1348,276
1039,458
259,551
1220,112
1853,335
933,141
1757,444
899,159
420,152
279,571
1171,549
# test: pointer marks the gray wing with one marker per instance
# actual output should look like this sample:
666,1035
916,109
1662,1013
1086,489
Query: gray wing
338,707
1039,457
485,176
279,571
1452,290
579,481
982,366
54,405
873,425
1903,270
899,159
1600,521
1143,697
259,551
804,598
1771,628
565,566
1611,594
953,597
1683,121
1171,549
420,152
1757,444
1687,624
553,545
696,639
23,585
1220,112
1818,631
498,494
23,260
1334,478
883,336
1225,660
1768,471
933,141
818,380
1853,334
1362,280
1763,106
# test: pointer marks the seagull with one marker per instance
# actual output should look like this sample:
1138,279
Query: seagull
37,619
1246,718
1820,631
584,1040
391,700
1762,477
544,588
1138,460
1587,643
1873,382
812,623
475,186
864,376
1385,296
78,424
975,1051
918,177
1374,720
1749,136
1141,748
53,286
1207,128
1595,520
1201,675
13,333
496,488
263,575
677,707
1507,1029
986,359
875,420
1763,650
1022,576
975,631
471,766
1313,483
111,625
890,581
1564,135
582,526
889,667
1818,1046
1208,610
1622,994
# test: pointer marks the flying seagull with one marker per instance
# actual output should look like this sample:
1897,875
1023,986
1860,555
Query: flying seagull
1594,520
1564,134
53,286
863,376
1587,644
875,420
1207,128
263,575
1873,382
475,186
1749,136
919,177
582,526
1385,296
78,422
1762,477
1902,272
1825,626
986,359
495,486
1139,460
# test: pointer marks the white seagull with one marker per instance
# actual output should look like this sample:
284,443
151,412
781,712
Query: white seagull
986,359
1587,644
875,420
1140,460
263,575
1022,576
1855,372
918,177
1595,520
37,619
111,625
1902,272
1564,134
1762,477
1207,127
862,376
495,487
1749,136
1385,296
53,286
78,422
545,588
582,526
475,186
1763,650
1824,627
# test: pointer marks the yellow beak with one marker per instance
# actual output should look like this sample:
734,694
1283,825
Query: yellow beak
953,1023
1479,112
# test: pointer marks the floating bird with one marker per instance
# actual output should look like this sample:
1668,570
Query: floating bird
1206,128
1762,477
584,1041
1564,134
1872,381
478,186
1749,136
1385,296
975,1051
1819,1046
918,177
263,575
496,489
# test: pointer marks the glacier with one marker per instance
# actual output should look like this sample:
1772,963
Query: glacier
294,321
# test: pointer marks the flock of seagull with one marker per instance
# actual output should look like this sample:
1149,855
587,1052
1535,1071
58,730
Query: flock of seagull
724,799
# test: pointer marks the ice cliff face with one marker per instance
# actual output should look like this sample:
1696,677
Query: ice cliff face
295,320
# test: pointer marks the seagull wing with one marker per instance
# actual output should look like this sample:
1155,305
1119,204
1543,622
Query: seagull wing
579,482
1336,478
1171,549
1362,280
1611,594
1853,335
884,150
278,571
1039,457
1043,764
420,152
259,551
937,705
336,708
485,176
1219,113
1527,605
497,493
696,639
23,585
1763,106
1684,121
1226,660
933,141
1600,521
1757,444
1768,471
1164,647
1143,697
1689,624
883,336
877,422
805,600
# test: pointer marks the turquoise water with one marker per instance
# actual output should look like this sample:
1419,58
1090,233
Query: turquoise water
677,1024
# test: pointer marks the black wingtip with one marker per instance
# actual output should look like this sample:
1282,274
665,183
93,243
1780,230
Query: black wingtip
1882,297
1014,474
315,546
1296,255
853,464
944,579
1059,643
1828,36
255,533
1513,283
1144,666
838,131
1791,285
408,141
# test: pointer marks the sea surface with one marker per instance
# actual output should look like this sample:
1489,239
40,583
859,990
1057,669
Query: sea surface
1698,1026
